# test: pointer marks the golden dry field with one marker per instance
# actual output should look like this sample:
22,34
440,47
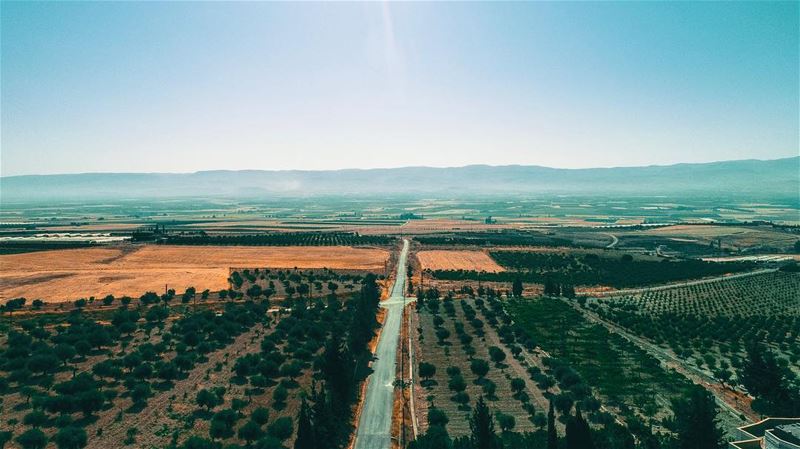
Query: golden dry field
457,260
63,275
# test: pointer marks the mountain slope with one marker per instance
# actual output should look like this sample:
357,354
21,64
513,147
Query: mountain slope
746,178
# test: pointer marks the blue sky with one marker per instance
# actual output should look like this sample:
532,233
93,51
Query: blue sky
179,87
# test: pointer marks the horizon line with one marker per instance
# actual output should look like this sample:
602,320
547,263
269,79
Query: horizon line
396,168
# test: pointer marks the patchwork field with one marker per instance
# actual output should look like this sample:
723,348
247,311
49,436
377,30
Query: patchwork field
225,371
617,270
439,225
710,325
455,342
458,260
133,269
730,236
630,383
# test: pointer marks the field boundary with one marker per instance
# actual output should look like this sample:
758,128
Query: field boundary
636,291
664,356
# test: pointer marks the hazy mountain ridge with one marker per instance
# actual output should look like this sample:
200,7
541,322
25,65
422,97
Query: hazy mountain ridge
748,178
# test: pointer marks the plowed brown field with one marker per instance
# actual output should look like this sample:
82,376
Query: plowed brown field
457,260
63,275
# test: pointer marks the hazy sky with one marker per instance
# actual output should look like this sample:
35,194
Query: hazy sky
181,87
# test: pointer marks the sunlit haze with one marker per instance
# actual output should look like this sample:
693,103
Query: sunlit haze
180,87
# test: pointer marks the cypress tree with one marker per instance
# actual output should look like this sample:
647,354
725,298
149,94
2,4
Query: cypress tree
337,376
769,382
323,419
552,435
482,426
579,436
305,431
435,438
516,288
696,421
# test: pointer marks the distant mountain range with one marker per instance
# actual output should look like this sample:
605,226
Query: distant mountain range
779,178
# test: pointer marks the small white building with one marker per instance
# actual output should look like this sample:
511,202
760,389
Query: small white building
786,436
769,433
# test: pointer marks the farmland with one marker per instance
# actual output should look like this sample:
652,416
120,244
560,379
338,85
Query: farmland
632,384
640,224
281,239
132,269
713,325
399,225
120,366
587,268
255,282
474,338
771,293
154,374
457,260
729,236
523,355
452,343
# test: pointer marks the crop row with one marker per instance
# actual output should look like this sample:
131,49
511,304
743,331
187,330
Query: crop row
142,375
760,295
626,378
618,271
459,365
111,371
503,238
281,239
266,282
711,325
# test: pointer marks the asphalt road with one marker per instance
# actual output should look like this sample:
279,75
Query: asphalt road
375,424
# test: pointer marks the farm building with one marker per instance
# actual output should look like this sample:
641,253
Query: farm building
769,433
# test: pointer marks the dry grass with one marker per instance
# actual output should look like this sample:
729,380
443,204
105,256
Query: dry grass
458,260
62,275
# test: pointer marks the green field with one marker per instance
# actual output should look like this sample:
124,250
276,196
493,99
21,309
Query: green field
625,377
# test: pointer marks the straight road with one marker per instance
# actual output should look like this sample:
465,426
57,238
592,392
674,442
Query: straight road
374,429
